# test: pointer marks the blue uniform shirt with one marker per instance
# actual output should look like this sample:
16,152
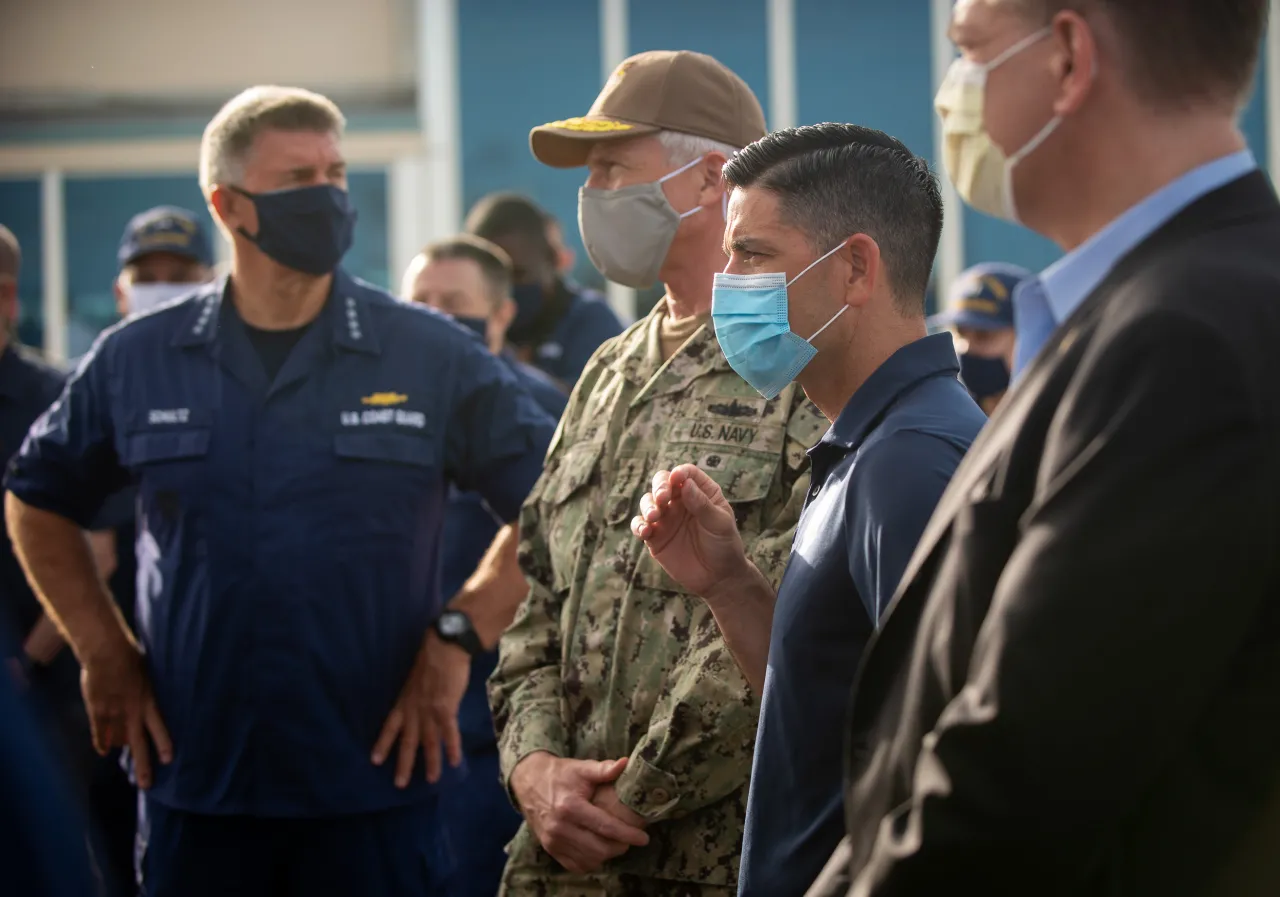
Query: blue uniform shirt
28,386
586,323
288,531
470,531
877,475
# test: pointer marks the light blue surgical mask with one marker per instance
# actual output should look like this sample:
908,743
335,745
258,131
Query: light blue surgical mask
749,312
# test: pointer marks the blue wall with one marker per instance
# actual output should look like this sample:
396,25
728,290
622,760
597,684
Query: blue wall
20,212
867,62
524,64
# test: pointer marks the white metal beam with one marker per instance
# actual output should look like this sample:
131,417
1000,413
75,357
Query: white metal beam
53,264
438,112
783,96
407,216
951,251
614,40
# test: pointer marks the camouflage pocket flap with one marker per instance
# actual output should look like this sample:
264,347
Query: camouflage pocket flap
575,470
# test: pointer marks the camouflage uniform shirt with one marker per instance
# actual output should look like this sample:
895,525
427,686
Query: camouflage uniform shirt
608,657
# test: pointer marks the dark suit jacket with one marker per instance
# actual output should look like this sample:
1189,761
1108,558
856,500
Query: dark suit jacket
1077,688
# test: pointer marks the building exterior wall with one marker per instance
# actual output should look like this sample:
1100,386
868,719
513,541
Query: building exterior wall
519,64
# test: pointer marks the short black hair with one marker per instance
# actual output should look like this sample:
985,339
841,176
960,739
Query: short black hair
505,214
10,253
493,262
1179,52
836,180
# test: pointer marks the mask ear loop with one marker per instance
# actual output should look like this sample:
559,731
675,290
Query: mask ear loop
818,261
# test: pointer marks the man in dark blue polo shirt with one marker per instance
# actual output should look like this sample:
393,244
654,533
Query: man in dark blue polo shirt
558,325
831,238
292,432
470,278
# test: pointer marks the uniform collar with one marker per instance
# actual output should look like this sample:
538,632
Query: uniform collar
347,309
915,362
637,356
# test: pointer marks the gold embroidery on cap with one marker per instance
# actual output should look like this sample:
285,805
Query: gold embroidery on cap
589,125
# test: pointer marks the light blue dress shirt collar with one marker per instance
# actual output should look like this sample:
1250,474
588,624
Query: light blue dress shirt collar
1042,303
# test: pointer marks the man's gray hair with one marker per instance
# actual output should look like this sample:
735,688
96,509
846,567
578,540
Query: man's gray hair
683,148
231,133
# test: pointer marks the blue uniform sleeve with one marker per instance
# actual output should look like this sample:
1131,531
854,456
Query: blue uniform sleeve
591,323
498,434
118,510
68,464
898,482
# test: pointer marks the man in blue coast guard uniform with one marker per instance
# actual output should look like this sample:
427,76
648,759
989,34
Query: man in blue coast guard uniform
293,432
470,278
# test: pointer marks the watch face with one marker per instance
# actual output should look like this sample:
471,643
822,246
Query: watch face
452,625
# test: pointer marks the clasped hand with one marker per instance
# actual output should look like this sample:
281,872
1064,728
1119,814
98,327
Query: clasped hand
573,809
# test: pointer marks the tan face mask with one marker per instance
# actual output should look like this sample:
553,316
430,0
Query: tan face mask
980,170
628,231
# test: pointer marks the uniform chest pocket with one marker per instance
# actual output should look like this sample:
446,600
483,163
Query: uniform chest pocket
575,470
386,448
566,508
170,466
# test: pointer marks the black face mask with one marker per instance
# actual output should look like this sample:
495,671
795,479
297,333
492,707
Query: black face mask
983,377
308,229
529,302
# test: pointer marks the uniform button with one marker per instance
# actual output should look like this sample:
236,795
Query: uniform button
661,795
813,493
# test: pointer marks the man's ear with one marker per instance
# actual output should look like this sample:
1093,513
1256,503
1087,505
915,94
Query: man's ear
864,268
713,186
122,297
232,210
504,314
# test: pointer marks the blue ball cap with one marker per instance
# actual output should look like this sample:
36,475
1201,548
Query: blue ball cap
165,229
982,298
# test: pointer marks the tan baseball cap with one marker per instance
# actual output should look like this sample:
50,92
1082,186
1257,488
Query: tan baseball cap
660,90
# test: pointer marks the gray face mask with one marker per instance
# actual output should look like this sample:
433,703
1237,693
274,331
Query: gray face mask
628,231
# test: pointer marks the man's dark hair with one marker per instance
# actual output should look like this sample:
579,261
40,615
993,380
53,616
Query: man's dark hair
506,214
1179,52
493,262
10,253
835,180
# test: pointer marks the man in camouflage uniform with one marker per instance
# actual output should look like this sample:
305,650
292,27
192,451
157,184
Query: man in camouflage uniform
625,727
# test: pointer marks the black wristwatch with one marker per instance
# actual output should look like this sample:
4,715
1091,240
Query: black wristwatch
454,627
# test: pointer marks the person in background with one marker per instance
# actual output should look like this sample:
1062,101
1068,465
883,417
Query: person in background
566,258
624,728
470,279
164,253
558,324
839,225
291,432
980,314
43,851
1077,690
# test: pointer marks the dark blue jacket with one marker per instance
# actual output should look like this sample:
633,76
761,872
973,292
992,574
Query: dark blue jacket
470,531
289,531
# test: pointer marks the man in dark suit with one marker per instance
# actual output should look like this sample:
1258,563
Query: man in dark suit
1077,688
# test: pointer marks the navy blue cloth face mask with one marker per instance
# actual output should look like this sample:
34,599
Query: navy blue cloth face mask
308,229
985,378
528,298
